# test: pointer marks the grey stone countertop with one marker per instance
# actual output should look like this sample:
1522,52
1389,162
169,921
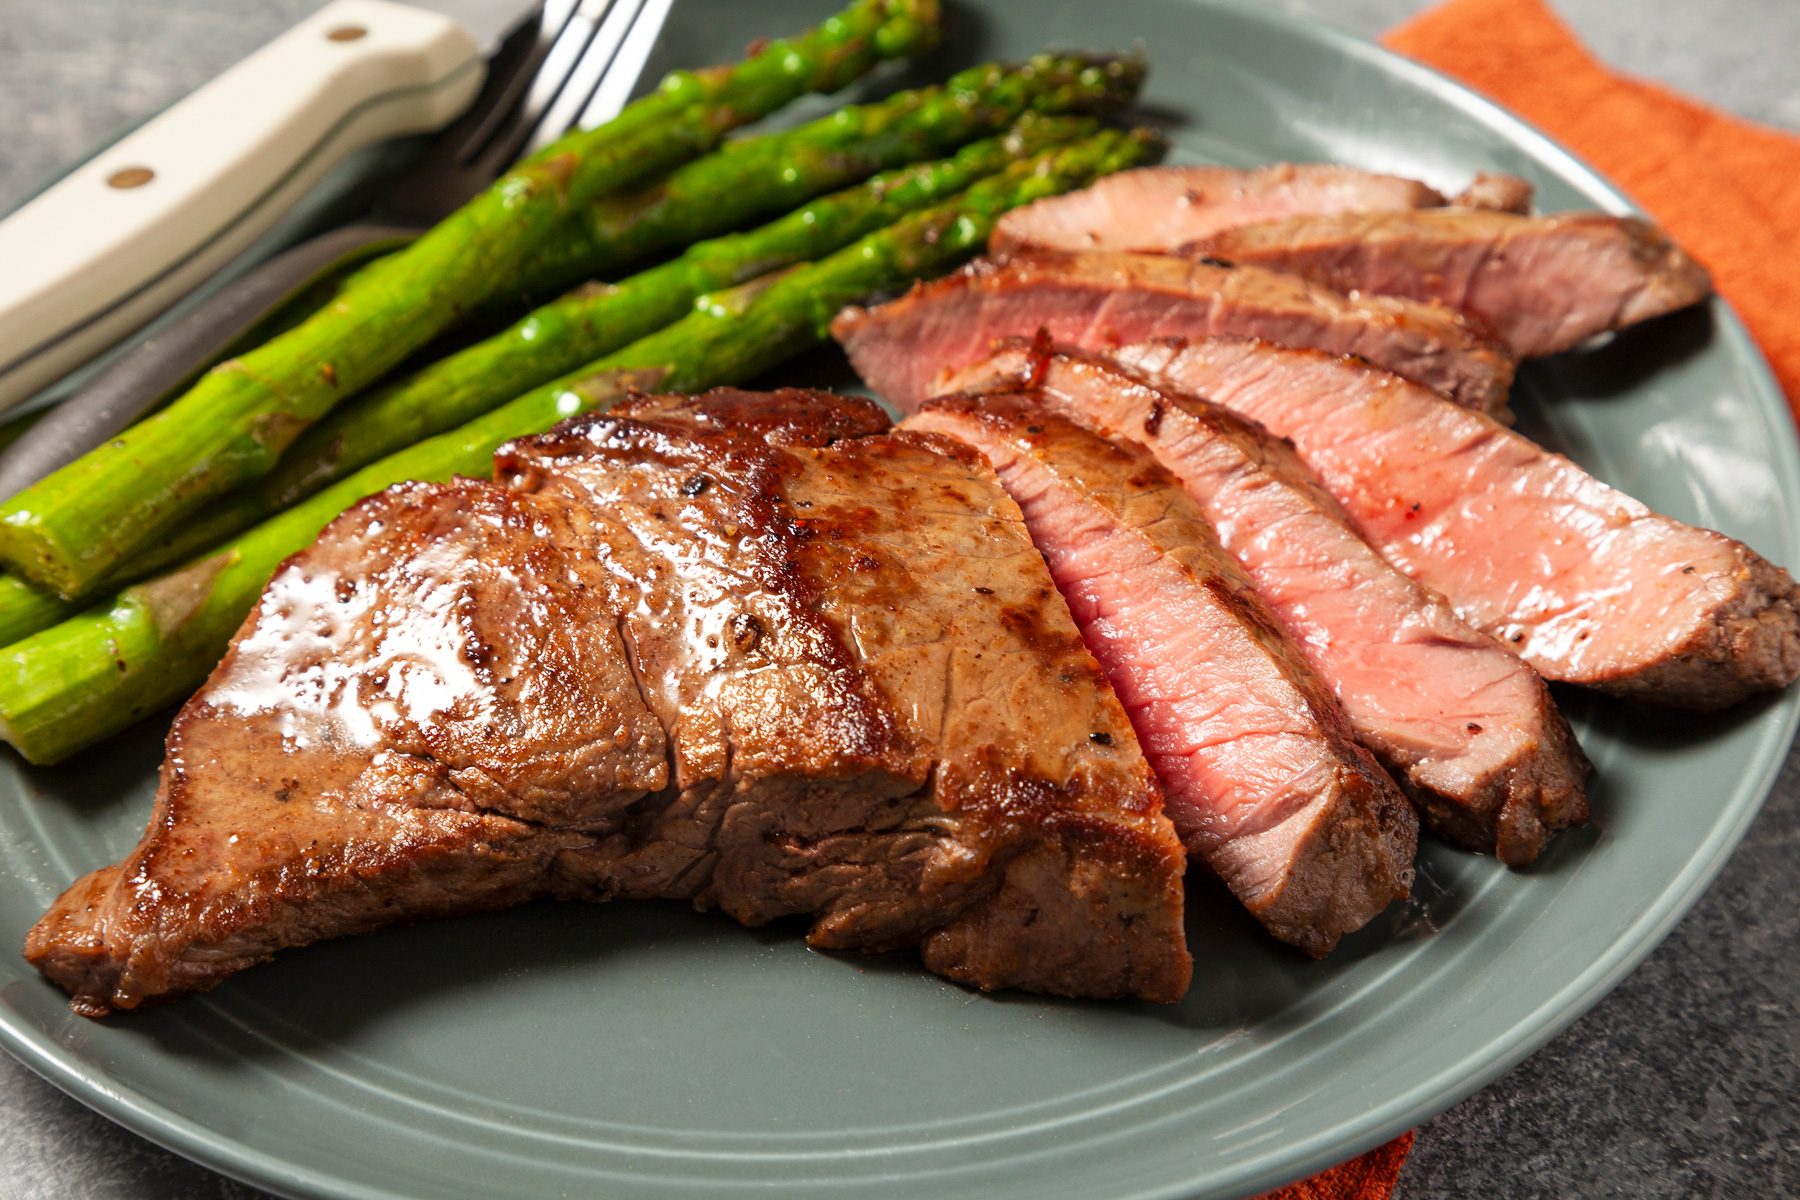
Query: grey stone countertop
1684,1082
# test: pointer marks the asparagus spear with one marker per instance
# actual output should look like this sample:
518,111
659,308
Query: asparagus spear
77,682
555,339
772,173
26,608
80,522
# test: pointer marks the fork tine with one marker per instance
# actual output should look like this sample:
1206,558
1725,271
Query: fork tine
627,68
553,17
567,52
595,62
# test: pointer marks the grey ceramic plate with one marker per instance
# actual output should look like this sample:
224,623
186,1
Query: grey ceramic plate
651,1052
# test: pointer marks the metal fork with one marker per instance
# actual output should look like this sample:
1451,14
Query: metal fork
575,67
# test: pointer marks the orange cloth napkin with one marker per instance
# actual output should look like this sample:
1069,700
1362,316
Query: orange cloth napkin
1727,189
1370,1177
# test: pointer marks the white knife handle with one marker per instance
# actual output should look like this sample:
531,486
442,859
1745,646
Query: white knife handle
124,235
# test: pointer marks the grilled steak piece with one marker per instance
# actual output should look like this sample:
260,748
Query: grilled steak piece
1497,192
1586,584
1265,781
1543,284
1465,726
756,669
1098,300
422,714
796,613
1160,208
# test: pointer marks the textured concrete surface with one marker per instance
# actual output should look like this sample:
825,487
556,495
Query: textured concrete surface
1685,1082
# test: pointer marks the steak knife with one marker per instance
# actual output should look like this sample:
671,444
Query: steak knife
145,221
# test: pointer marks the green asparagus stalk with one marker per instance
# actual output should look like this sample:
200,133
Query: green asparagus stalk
774,172
550,342
26,608
75,683
82,521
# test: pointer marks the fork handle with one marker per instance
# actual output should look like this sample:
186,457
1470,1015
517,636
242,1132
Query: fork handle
159,365
148,218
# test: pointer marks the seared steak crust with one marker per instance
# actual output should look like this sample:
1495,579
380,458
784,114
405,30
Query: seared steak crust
1099,300
1468,729
699,650
1543,283
1749,643
1264,778
1585,583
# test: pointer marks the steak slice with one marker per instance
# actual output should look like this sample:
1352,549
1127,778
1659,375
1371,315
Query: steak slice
471,695
1158,209
1497,192
1094,300
1264,779
1586,584
420,716
1464,725
1543,284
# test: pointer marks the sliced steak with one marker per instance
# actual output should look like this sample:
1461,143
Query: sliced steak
903,348
1495,191
1158,209
1543,284
1265,781
771,674
1586,584
1467,728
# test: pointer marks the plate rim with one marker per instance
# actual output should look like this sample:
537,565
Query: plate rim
159,1123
